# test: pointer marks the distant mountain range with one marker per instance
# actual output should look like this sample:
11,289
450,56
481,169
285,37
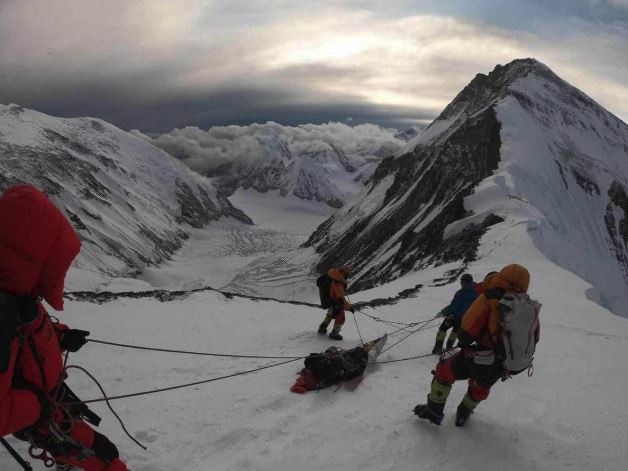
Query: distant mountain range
326,163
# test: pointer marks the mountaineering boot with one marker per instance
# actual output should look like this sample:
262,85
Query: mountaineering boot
335,335
436,399
430,411
322,329
462,414
465,409
438,348
335,332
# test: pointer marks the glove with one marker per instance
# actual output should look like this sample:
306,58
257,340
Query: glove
464,339
73,339
352,310
442,313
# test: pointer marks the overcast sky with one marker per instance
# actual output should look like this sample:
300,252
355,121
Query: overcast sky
159,64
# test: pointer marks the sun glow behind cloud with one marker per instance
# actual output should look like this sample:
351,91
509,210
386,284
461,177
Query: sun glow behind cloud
412,62
281,54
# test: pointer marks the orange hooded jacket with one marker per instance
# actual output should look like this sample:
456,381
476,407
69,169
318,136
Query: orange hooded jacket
481,321
338,288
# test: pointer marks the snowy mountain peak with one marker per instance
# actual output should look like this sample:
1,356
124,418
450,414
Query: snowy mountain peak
484,90
130,202
517,147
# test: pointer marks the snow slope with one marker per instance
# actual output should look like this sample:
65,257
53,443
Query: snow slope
571,415
235,255
131,203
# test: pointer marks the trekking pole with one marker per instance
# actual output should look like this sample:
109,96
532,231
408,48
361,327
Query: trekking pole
23,463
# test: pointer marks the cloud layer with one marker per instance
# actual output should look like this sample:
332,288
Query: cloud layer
158,64
207,151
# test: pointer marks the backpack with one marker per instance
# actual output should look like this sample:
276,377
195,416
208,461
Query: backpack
519,320
324,290
335,365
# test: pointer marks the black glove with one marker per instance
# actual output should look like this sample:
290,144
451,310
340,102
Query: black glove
352,309
73,339
464,339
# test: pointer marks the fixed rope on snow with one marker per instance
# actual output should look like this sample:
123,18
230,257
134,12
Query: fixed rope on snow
80,368
187,352
106,398
422,325
229,355
187,385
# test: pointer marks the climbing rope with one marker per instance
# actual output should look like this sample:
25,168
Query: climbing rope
401,359
397,330
106,399
289,359
385,321
358,328
356,321
181,386
422,327
188,352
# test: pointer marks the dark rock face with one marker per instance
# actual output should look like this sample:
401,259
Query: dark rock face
586,183
407,134
429,185
618,230
197,212
562,174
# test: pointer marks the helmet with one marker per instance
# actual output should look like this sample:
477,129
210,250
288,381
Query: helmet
466,279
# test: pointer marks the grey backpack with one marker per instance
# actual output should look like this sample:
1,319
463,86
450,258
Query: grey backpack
519,321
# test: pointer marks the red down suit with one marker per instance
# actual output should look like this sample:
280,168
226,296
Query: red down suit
37,246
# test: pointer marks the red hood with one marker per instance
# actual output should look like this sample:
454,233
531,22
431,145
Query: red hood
37,245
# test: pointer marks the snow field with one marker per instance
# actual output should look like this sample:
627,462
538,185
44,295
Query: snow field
570,415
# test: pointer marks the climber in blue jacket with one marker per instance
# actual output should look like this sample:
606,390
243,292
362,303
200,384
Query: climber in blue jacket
453,313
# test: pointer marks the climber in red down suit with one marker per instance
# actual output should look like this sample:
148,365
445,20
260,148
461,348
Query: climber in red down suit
37,246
